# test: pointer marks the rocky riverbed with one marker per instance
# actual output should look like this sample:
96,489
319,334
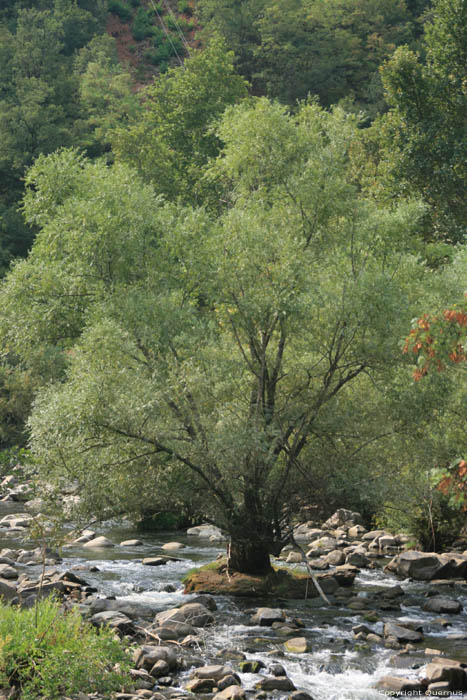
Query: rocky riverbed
385,634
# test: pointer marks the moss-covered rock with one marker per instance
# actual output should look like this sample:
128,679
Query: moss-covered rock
282,583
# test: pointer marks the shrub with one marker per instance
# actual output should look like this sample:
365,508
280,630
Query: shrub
184,8
120,8
38,644
142,27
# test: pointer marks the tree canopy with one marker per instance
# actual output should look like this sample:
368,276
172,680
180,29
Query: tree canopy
218,346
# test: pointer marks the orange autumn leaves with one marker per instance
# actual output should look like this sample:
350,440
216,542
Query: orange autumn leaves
438,340
454,483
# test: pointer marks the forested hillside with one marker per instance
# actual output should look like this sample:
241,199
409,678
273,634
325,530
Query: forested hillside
233,236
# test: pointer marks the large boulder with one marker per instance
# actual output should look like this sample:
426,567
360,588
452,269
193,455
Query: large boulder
420,566
442,604
449,671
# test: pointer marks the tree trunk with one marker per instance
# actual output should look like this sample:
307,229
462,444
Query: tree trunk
249,556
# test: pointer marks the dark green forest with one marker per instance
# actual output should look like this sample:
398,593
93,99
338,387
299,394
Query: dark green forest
234,263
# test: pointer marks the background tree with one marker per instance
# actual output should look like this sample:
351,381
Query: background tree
425,132
170,143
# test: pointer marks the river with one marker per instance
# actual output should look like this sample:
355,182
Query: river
339,667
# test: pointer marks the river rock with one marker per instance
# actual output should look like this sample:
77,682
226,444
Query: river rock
373,535
252,666
161,668
98,543
147,655
214,672
264,617
205,531
395,684
171,546
131,543
342,518
447,670
227,681
173,631
307,532
345,574
233,692
200,685
300,695
275,683
357,558
442,604
297,645
402,634
158,561
335,558
8,572
114,620
420,566
7,590
356,531
294,558
194,613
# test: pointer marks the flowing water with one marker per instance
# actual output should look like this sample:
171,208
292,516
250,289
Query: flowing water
338,667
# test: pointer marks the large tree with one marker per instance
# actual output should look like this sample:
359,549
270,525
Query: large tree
210,356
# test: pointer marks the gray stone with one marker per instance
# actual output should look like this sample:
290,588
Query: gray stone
442,604
98,543
446,670
147,655
266,616
275,683
335,558
215,672
233,692
8,572
342,518
402,634
114,620
193,613
7,591
131,543
420,566
357,558
395,684
160,669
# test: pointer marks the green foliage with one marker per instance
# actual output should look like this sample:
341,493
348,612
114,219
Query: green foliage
41,104
434,522
169,143
425,133
17,387
38,644
329,48
235,347
185,8
121,9
142,26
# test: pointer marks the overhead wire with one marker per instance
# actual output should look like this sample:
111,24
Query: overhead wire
177,25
